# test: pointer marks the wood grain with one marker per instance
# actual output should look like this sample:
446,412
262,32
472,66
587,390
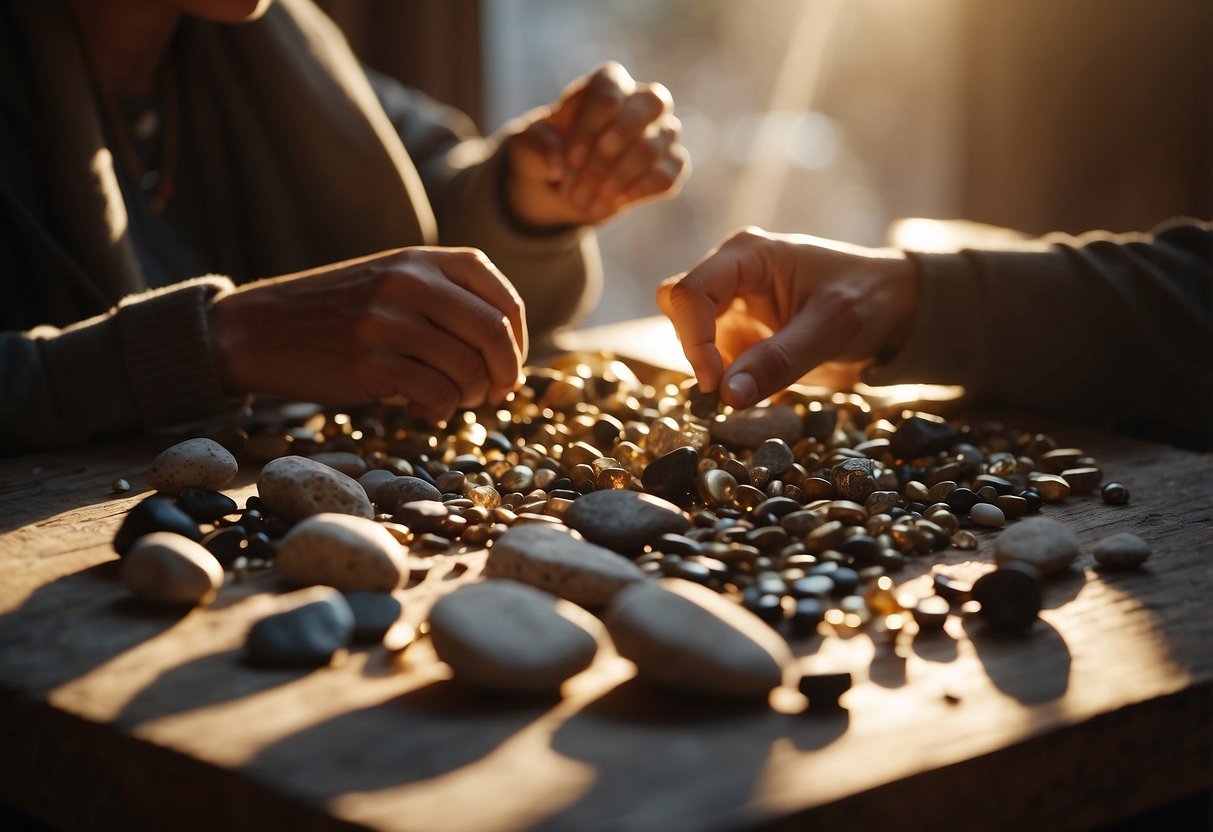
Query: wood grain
115,713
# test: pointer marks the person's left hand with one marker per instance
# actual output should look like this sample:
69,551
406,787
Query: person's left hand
608,142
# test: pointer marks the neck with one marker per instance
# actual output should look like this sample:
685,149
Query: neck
127,41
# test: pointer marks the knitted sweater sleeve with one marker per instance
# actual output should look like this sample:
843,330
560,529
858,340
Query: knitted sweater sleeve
145,363
557,274
1110,331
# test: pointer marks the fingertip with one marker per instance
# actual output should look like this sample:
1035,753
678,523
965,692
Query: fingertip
739,390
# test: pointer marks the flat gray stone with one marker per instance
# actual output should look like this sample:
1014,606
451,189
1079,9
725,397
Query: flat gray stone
624,521
686,638
200,462
342,551
394,493
170,569
317,623
551,559
374,613
509,637
1040,542
751,427
1121,551
371,480
347,463
294,487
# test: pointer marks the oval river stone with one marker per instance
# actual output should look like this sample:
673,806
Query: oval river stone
344,552
1043,543
1121,551
294,488
552,559
170,569
624,521
505,636
685,637
203,463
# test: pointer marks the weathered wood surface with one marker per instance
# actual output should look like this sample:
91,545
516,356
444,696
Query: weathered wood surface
114,713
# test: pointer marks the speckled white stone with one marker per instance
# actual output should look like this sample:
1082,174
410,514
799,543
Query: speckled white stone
550,558
344,552
202,463
294,487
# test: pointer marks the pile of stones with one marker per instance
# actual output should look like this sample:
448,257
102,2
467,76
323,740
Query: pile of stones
681,523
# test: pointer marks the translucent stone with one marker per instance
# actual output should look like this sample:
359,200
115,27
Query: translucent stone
485,496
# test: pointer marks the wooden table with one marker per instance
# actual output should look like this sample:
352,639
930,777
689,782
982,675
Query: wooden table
113,713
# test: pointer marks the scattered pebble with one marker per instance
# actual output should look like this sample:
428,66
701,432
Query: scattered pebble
317,623
1122,551
199,462
1045,544
550,558
1009,596
509,637
344,552
624,521
374,613
154,514
120,486
170,569
686,638
987,514
294,488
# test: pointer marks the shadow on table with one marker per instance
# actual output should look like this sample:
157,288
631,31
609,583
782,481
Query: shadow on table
423,734
636,738
71,626
1032,667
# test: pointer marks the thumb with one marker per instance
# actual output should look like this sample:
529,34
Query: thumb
816,334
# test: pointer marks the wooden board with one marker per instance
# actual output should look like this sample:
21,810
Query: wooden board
112,713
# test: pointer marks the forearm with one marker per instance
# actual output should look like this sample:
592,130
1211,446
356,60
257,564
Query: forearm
1116,333
146,363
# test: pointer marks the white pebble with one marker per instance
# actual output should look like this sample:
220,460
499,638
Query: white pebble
170,569
202,463
344,552
294,487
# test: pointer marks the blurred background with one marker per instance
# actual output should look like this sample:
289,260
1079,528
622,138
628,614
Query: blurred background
836,117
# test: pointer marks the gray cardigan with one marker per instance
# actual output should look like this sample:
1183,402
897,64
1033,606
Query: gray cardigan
299,158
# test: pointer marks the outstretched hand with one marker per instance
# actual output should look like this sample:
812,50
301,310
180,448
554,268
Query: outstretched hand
608,142
441,328
762,310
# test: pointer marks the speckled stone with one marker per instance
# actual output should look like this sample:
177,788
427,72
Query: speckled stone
314,624
1043,543
347,463
775,455
1121,551
551,559
686,638
624,521
293,488
170,569
394,493
512,638
200,462
344,552
751,427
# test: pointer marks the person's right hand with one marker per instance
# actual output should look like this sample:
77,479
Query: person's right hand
441,328
786,303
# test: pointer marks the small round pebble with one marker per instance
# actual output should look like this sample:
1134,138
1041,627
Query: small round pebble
170,569
1115,494
120,486
987,514
1122,551
200,462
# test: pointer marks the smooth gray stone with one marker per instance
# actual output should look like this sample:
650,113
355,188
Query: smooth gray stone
509,637
624,521
306,635
394,493
686,638
374,613
1121,551
551,559
347,463
1040,542
751,427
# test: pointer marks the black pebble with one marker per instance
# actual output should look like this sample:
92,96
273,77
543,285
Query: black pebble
260,546
374,613
204,505
1000,485
1034,500
768,607
225,544
251,520
672,476
846,580
154,514
917,437
1009,596
806,615
961,500
1115,494
824,689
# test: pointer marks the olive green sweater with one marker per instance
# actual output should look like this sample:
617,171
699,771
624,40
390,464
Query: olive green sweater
1112,331
293,158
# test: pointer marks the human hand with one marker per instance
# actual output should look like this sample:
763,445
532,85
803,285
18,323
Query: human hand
441,328
775,306
608,142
